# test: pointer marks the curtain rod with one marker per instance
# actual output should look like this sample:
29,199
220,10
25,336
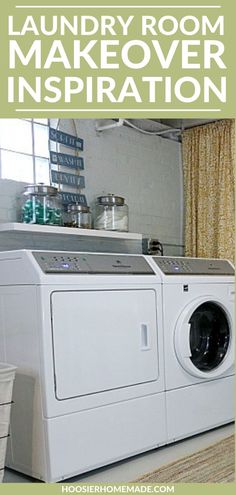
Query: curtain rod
201,125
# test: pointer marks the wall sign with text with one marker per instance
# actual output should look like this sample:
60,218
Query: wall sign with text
67,181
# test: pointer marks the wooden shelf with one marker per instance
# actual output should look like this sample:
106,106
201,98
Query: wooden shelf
50,229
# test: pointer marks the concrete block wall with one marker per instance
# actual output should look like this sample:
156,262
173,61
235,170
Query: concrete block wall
146,170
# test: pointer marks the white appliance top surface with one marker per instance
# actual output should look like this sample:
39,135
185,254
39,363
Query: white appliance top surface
55,267
168,266
90,264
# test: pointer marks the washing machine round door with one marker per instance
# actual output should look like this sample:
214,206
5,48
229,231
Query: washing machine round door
203,339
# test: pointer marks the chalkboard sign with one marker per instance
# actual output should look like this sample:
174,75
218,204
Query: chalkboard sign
76,162
66,139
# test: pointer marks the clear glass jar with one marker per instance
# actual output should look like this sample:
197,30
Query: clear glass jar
79,216
41,205
111,213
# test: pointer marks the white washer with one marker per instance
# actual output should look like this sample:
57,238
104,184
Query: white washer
85,331
198,307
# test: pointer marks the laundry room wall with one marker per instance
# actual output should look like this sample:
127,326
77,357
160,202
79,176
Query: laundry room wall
145,169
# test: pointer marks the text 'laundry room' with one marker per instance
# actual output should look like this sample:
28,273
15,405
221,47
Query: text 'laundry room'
117,300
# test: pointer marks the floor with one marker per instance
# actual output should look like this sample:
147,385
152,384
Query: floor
129,470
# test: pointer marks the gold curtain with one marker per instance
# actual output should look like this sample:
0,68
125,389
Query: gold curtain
208,164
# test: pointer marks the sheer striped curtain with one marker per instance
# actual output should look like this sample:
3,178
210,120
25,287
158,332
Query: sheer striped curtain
208,164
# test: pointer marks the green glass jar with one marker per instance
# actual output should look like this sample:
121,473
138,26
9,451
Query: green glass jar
41,205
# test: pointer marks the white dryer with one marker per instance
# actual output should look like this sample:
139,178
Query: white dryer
85,331
198,307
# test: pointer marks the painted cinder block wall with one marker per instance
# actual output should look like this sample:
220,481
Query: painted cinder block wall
146,170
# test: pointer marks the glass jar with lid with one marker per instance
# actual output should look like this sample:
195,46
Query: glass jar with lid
79,216
111,213
41,205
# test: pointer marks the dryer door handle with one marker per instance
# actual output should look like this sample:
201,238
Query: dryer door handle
186,350
144,337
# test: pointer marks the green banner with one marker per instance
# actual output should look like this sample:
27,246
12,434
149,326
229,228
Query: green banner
105,59
119,488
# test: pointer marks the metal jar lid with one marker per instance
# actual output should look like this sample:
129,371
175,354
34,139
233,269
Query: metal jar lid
111,199
78,208
40,190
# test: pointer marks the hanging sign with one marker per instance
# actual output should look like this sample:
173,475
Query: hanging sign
65,160
66,139
68,198
70,180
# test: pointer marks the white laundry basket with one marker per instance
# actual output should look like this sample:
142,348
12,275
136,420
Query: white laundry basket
7,375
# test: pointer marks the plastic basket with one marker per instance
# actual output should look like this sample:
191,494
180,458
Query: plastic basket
7,375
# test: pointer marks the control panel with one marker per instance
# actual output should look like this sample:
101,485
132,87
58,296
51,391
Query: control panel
193,266
88,263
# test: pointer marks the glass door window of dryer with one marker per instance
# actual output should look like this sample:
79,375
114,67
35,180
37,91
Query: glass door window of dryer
103,340
209,336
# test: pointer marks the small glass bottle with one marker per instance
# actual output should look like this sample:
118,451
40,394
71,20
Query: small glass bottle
41,205
111,213
79,216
